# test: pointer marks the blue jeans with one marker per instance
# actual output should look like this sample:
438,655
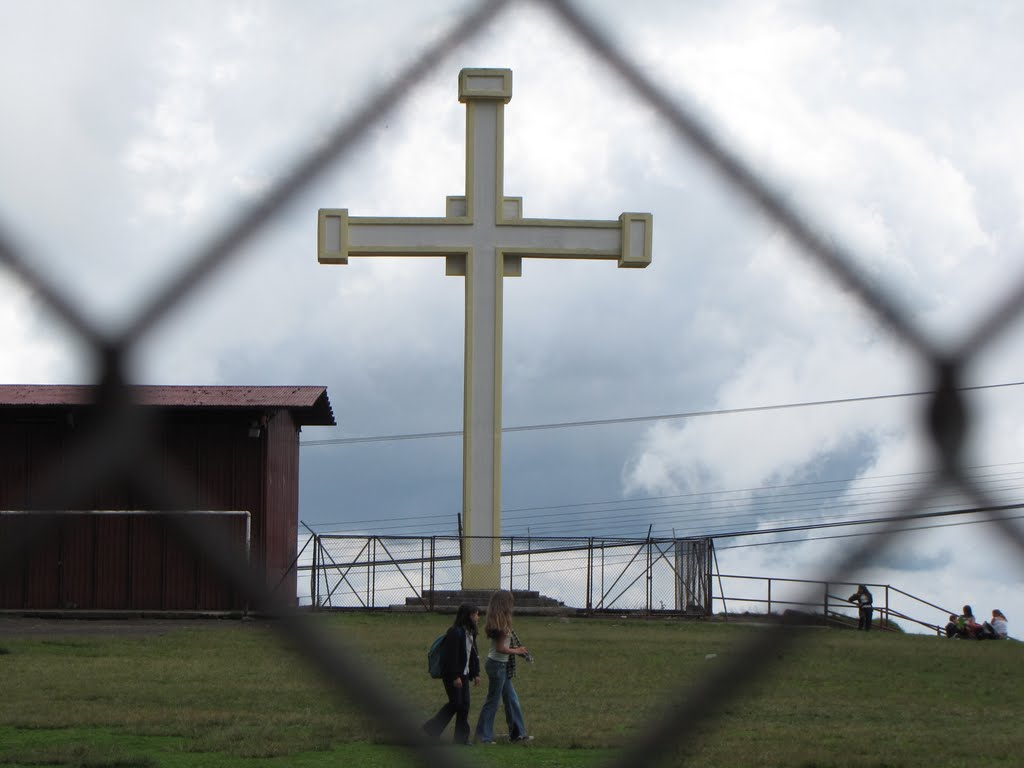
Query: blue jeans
499,688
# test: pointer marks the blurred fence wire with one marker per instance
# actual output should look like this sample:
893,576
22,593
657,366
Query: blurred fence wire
122,446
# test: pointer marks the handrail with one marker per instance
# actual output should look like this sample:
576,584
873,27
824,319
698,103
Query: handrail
914,597
831,601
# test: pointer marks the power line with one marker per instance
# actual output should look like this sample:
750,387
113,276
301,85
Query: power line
693,511
869,521
637,419
928,474
698,519
696,511
873,521
865,533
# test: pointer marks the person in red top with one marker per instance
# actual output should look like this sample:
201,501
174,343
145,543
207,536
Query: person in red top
970,625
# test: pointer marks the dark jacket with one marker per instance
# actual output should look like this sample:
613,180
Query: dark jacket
453,655
863,599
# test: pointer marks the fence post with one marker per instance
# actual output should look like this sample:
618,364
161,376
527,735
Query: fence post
511,558
462,550
590,574
650,574
433,561
314,581
529,560
603,546
825,608
769,595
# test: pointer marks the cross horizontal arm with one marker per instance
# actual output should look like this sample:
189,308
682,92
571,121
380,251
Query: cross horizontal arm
627,239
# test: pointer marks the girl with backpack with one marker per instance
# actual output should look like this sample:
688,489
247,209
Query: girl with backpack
460,664
504,647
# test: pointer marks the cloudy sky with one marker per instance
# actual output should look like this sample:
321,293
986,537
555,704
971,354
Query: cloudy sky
133,133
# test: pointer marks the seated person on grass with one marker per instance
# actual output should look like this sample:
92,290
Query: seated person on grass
969,625
999,624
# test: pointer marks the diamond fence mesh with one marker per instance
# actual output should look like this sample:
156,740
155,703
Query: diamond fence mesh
122,444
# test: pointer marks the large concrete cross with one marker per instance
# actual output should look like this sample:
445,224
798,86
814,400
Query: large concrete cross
483,237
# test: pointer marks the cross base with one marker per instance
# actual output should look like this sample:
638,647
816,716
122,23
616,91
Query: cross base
526,602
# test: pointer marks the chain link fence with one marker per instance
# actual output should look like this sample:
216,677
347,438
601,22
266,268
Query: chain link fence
121,445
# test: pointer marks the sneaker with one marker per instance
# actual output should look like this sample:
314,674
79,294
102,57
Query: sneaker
522,739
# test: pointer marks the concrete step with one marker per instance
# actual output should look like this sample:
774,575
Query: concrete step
448,601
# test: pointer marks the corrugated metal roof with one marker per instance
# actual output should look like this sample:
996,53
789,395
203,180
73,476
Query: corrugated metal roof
310,405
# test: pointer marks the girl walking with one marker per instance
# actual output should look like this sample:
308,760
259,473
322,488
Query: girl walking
503,645
460,664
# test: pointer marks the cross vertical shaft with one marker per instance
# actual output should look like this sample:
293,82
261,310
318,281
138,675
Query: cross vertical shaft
481,454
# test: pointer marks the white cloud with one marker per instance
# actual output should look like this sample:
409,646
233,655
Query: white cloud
33,348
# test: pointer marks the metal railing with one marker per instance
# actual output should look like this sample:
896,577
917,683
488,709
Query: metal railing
123,444
774,594
592,574
586,576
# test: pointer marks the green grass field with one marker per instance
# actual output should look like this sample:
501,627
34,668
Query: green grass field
230,693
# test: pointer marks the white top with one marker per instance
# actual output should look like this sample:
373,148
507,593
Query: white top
999,625
493,652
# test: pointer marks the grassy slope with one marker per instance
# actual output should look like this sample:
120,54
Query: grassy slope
233,695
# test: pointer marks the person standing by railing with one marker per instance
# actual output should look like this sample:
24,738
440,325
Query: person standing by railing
865,606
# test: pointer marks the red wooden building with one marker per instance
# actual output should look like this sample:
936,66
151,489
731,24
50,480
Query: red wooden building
234,452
